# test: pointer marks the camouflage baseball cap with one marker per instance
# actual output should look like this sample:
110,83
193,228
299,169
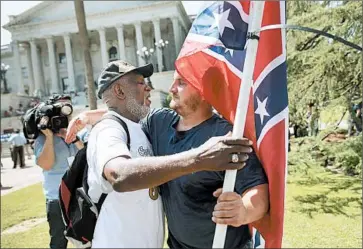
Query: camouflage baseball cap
115,70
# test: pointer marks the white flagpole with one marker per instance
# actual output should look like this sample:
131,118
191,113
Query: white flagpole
255,20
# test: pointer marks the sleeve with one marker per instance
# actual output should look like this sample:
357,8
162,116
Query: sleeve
11,138
38,147
251,175
83,134
111,142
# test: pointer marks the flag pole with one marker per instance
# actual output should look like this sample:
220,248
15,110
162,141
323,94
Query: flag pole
255,21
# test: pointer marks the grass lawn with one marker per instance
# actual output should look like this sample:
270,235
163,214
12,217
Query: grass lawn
323,210
22,205
19,206
36,237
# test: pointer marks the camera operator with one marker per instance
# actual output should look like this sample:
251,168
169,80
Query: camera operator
53,155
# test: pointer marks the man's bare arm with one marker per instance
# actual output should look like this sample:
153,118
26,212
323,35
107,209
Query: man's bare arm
46,158
256,203
78,123
91,117
146,172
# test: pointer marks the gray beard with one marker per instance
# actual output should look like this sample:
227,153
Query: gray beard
136,110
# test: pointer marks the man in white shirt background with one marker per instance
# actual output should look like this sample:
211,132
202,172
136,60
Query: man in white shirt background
17,142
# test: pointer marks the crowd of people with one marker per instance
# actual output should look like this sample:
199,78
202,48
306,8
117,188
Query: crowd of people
12,112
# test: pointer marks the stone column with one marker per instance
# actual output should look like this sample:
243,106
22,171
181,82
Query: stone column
159,54
176,30
53,66
139,41
70,67
103,45
121,42
17,65
43,86
36,69
29,69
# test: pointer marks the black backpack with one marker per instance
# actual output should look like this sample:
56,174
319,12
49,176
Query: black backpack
79,212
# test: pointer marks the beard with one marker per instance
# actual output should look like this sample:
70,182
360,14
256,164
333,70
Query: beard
187,106
139,111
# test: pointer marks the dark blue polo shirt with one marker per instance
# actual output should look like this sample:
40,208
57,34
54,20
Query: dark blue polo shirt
188,200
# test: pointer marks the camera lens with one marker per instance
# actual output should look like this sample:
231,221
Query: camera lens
66,110
57,122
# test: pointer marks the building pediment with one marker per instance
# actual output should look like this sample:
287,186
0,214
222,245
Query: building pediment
57,11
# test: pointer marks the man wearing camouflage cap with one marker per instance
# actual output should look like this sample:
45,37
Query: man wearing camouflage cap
132,215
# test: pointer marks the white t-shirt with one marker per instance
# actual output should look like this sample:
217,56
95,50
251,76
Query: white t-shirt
130,219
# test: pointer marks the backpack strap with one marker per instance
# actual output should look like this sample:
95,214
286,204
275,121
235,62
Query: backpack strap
100,201
124,125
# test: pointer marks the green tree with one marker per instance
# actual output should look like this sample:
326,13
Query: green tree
166,101
321,70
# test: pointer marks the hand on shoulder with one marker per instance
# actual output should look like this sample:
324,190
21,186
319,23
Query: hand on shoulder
223,153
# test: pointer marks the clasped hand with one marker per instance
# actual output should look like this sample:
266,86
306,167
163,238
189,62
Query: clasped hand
229,209
47,132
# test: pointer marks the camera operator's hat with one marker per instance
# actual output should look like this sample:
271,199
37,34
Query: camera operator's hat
115,70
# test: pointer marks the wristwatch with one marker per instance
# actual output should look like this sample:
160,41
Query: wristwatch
76,140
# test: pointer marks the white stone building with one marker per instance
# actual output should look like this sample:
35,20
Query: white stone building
46,57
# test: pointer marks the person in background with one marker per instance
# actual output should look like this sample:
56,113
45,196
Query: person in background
312,117
20,111
355,120
53,154
18,142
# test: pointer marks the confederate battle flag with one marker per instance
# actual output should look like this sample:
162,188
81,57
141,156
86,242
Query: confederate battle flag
212,60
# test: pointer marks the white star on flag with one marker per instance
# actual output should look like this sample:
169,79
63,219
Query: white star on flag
261,109
221,21
230,51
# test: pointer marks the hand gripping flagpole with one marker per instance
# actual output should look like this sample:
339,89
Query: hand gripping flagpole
255,20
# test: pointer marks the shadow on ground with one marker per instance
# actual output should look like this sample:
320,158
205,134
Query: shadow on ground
328,202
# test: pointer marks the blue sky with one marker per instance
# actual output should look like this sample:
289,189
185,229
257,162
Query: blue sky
17,7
